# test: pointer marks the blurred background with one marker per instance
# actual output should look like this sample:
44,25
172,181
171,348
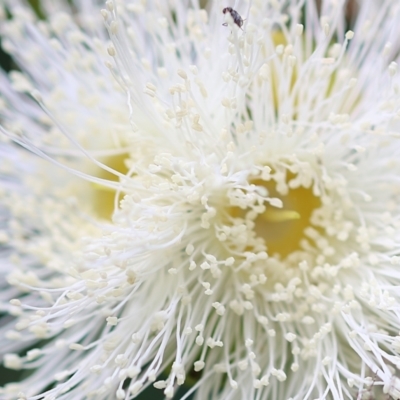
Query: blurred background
6,375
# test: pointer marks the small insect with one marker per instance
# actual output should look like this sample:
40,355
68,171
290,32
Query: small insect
237,19
368,393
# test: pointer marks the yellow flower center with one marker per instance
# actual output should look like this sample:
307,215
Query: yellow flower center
283,228
104,197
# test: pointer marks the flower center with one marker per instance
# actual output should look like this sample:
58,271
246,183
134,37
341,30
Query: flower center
277,208
104,197
283,228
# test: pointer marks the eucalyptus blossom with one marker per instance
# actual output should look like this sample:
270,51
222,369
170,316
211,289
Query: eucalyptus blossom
201,196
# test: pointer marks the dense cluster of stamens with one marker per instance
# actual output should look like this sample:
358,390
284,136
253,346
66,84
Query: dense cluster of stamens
238,216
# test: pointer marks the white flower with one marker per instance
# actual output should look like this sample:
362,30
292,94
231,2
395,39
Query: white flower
253,177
